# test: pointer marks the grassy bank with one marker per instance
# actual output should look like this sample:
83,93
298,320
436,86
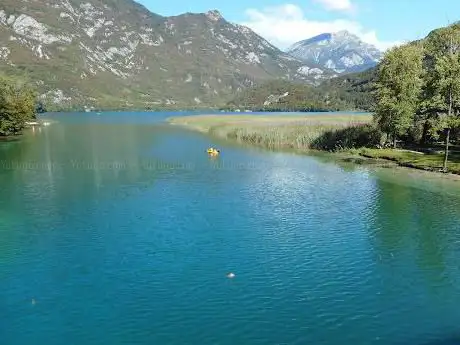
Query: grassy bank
414,159
346,132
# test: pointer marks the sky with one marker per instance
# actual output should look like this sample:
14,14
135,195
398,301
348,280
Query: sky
384,23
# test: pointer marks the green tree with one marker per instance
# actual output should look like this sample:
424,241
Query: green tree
443,83
398,89
17,106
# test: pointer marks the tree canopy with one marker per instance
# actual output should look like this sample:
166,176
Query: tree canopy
398,89
418,88
17,105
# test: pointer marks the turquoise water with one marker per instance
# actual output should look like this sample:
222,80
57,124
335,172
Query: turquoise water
119,229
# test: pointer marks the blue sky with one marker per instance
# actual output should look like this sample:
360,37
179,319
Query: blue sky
380,22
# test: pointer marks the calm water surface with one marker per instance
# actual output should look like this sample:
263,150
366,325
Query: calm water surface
118,229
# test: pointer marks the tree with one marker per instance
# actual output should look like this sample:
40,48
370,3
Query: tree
398,89
444,83
17,106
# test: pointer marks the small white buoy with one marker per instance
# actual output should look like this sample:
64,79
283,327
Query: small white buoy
231,275
33,301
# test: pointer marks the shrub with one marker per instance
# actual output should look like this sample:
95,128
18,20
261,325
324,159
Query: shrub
362,135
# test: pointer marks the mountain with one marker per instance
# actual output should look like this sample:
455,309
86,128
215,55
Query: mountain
352,91
356,89
117,54
347,92
342,52
283,95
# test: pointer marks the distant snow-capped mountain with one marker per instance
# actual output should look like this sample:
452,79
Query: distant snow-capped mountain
342,52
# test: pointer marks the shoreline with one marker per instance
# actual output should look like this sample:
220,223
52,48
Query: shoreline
28,125
225,126
38,123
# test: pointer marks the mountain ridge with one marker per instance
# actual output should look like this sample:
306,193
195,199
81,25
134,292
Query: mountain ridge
116,53
341,51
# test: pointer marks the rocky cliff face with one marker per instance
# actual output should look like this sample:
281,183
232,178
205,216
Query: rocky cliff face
341,52
115,53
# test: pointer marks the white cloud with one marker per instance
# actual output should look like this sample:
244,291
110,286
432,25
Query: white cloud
336,5
286,24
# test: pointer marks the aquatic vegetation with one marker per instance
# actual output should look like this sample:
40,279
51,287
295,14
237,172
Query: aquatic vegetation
350,133
296,132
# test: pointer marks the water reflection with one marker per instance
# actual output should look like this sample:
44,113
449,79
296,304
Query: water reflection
54,166
416,238
404,220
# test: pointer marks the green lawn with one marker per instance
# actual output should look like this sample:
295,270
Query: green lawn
417,160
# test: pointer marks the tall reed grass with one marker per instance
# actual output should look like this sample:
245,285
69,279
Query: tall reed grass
302,135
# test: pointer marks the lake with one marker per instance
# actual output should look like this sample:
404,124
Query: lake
119,229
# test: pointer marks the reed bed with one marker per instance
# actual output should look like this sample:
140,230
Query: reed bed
286,132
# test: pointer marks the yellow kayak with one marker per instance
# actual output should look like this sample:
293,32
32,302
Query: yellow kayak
213,152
